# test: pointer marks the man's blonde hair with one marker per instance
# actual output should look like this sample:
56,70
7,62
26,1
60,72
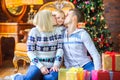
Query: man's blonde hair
43,19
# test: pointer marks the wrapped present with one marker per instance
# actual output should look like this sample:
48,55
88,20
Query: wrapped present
111,61
116,75
71,74
75,74
103,75
86,75
62,74
94,75
80,74
100,75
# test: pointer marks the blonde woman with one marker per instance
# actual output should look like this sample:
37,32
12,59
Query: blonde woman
44,49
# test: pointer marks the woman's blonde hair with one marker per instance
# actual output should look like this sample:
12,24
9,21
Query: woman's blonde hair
43,19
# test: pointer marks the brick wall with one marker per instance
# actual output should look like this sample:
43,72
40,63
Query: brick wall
112,16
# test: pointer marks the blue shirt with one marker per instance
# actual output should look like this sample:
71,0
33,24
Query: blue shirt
76,46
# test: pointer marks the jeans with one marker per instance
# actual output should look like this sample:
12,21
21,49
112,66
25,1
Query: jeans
89,66
34,73
51,76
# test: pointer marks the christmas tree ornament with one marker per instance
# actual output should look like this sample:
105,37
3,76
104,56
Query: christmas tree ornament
92,9
88,16
106,27
102,7
98,15
94,18
102,37
88,20
91,22
75,2
107,45
101,18
83,6
87,2
95,39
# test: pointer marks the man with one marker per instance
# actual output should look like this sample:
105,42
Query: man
76,44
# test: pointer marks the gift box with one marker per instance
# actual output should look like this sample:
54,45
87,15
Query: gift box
71,76
75,74
116,75
100,75
86,75
62,74
80,74
111,61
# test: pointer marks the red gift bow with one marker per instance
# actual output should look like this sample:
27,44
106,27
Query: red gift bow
112,54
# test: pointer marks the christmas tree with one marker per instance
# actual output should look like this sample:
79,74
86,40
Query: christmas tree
95,23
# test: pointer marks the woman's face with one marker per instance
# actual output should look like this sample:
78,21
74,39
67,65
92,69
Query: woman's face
54,20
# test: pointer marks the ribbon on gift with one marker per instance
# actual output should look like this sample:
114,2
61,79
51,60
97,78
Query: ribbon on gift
112,54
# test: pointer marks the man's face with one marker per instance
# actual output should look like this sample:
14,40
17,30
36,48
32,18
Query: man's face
68,19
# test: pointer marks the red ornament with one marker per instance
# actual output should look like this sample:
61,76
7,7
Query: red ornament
102,18
102,37
91,22
75,2
86,22
95,39
94,18
92,9
87,2
107,45
101,44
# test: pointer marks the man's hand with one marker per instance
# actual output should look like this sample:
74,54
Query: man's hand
44,70
54,68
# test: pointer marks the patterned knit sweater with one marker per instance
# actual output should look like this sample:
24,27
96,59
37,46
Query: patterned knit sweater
45,48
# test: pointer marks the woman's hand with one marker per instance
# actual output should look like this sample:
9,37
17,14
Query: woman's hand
54,68
44,70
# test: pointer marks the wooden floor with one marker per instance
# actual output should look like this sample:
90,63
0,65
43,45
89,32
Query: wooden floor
7,68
